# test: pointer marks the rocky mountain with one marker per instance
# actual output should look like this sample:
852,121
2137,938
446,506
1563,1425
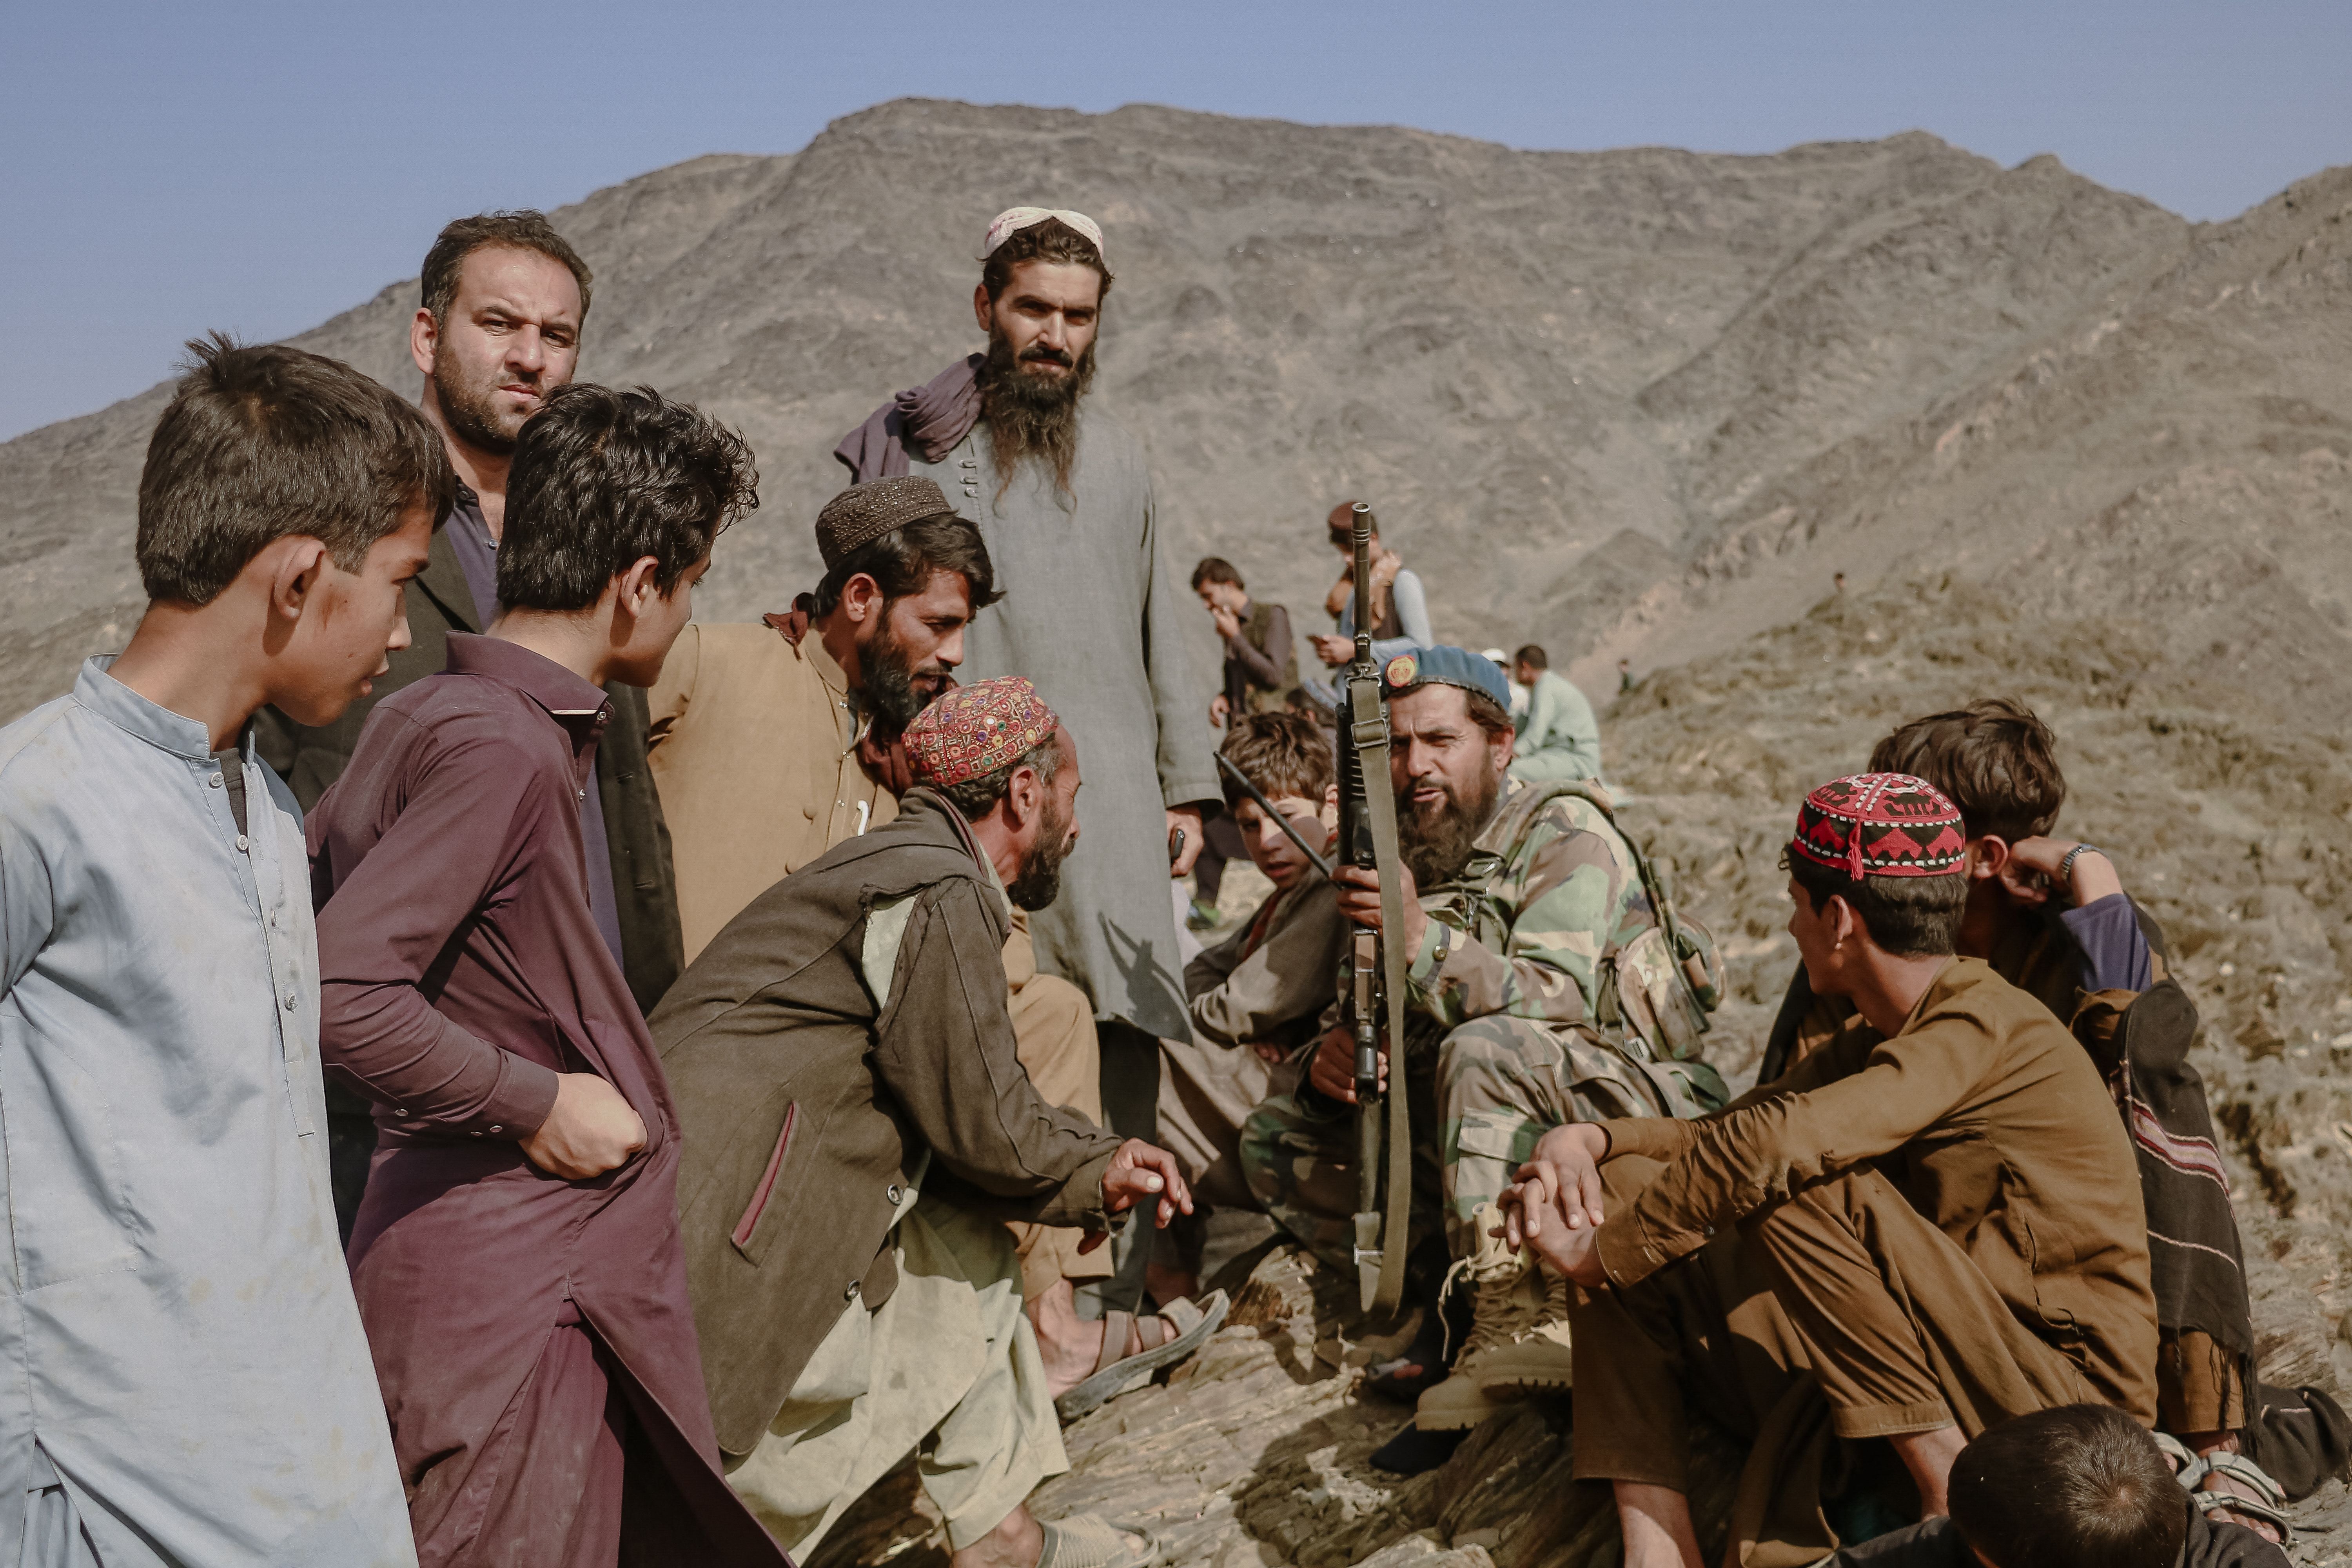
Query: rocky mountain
1639,404
1636,403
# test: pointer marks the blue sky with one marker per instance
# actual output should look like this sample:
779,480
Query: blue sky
164,169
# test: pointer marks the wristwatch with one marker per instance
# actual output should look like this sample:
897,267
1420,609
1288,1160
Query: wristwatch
2066,866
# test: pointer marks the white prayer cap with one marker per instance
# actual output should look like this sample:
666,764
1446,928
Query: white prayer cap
1012,220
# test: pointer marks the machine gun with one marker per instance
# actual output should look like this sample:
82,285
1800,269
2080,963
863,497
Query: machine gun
1372,989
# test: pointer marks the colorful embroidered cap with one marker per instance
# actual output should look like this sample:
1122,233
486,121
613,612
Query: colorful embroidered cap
1445,665
864,513
1880,824
1012,220
976,730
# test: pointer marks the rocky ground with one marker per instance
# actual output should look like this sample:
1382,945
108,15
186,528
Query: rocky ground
2230,824
1255,1454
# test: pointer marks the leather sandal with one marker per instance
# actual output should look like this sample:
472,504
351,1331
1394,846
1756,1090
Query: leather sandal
2269,1507
1189,1326
1088,1541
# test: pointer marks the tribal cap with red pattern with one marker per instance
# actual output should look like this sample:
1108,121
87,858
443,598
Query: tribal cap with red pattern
976,730
1880,824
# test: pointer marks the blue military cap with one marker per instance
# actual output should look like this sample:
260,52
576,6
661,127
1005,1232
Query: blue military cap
1445,665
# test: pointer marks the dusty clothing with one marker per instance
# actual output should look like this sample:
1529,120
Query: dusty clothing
1558,736
463,972
1053,1037
2138,1037
1841,1314
1482,1096
187,1383
809,1105
1500,1044
1095,617
1262,661
947,1368
1988,1119
1271,982
754,746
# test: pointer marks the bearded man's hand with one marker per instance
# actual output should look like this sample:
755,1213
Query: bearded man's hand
1359,900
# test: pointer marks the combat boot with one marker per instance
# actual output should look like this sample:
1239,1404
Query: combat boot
1507,1299
1537,1361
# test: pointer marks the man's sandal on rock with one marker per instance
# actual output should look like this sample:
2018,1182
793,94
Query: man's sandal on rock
1088,1541
1189,1327
2192,1470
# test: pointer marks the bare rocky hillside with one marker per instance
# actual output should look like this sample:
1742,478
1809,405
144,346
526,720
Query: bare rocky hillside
1635,403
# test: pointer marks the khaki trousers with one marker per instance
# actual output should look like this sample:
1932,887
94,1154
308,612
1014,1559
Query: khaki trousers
1054,1035
946,1368
1843,1295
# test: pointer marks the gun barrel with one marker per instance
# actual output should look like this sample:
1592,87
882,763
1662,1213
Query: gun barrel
1361,536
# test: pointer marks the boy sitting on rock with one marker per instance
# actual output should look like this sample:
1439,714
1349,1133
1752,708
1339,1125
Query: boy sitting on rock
1261,994
1936,1213
2049,915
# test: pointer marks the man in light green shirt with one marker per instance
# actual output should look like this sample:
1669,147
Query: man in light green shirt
1558,736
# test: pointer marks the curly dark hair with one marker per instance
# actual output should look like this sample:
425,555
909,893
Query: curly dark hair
602,478
260,443
1995,759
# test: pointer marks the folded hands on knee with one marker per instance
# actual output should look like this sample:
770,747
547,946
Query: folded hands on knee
1555,1206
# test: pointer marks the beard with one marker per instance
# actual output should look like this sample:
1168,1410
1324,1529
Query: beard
1040,882
894,686
1030,416
1436,842
471,406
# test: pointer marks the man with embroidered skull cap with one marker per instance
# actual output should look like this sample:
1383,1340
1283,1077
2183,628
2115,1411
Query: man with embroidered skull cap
857,1128
1092,612
1931,1224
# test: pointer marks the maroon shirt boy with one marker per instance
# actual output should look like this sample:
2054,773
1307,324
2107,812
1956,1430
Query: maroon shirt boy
532,1334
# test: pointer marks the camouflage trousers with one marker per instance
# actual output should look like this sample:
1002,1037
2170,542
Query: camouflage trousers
1480,1096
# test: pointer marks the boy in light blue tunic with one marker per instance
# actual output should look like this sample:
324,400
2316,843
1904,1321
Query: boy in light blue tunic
183,1377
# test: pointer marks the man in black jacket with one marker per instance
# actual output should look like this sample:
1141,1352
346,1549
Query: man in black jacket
504,295
857,1128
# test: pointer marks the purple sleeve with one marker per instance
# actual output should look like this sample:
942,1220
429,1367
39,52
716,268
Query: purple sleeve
382,931
2114,952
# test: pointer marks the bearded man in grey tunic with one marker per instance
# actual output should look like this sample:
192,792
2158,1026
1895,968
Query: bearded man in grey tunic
1092,613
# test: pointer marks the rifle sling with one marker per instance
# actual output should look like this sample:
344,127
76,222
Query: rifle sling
1370,732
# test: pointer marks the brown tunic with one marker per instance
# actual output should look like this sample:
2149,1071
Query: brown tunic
806,1104
1991,1121
461,972
755,751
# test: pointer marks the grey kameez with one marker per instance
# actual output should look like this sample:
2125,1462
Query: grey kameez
1090,614
185,1368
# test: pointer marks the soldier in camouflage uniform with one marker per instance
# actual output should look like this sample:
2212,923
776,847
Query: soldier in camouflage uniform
1516,894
